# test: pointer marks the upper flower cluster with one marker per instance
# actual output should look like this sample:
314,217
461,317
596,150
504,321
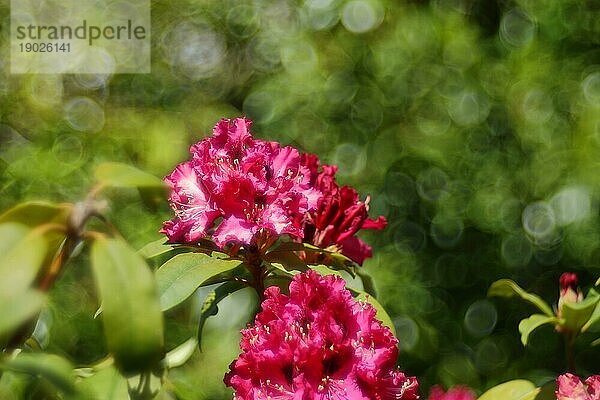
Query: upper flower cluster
570,387
258,189
253,185
318,343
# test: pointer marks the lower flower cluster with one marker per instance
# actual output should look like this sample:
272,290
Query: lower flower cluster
320,343
571,387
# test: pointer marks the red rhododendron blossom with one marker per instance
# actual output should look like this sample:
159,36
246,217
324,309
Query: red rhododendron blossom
570,387
339,215
318,343
455,393
250,186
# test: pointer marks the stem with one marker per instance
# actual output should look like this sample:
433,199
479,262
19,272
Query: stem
569,354
256,268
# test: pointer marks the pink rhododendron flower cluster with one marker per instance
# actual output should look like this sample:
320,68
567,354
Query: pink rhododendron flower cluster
455,393
253,185
318,343
570,387
239,189
339,215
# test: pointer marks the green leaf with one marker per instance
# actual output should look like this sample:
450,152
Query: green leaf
211,304
19,308
508,288
119,175
288,259
511,390
181,354
56,370
367,282
595,342
382,315
597,282
36,213
576,315
107,383
179,277
155,248
20,264
595,317
528,325
131,315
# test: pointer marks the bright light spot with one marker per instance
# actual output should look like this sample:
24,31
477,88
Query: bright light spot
571,204
408,332
538,220
481,318
516,250
84,114
361,16
516,28
469,108
591,88
350,158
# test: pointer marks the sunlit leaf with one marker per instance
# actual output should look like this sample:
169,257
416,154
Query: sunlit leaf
508,288
155,248
512,390
36,213
19,267
528,325
106,383
211,303
131,315
56,370
576,315
595,317
181,354
114,174
179,277
288,259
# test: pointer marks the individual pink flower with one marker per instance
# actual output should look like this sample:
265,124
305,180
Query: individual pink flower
236,188
339,215
318,343
570,387
455,393
569,292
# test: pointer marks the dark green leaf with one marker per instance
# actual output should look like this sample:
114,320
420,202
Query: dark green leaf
210,306
576,315
511,390
528,325
181,354
288,259
508,288
131,315
114,174
54,369
367,282
179,277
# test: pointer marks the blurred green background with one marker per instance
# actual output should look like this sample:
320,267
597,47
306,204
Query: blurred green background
474,125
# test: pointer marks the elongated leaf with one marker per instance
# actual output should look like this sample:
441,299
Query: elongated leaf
508,288
528,325
56,370
382,315
155,248
133,324
576,315
18,309
36,213
211,304
181,354
114,174
179,277
511,390
288,259
106,383
597,282
20,265
595,317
